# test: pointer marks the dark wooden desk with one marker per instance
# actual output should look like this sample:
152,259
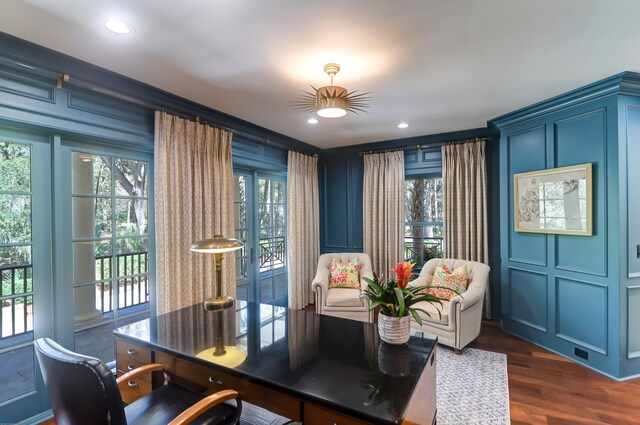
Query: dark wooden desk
307,367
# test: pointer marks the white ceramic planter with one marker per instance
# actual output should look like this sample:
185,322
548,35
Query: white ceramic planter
394,330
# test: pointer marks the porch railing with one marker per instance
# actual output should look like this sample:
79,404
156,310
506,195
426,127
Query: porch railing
420,250
16,290
133,289
16,300
272,253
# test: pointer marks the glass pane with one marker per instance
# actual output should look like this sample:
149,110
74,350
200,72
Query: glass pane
15,167
17,315
240,189
91,261
91,174
132,263
15,219
263,190
133,291
279,214
278,195
422,243
131,217
15,255
131,177
413,200
17,373
16,280
96,342
264,216
131,245
92,217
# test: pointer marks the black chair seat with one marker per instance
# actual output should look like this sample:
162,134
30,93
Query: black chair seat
162,405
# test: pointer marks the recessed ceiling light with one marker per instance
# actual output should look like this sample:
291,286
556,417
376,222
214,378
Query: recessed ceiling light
403,125
118,26
312,121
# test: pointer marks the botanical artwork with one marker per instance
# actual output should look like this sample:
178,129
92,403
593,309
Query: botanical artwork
529,205
554,201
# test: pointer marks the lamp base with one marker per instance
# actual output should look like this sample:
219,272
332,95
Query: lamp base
218,303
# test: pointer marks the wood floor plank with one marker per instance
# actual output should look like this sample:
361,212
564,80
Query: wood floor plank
545,388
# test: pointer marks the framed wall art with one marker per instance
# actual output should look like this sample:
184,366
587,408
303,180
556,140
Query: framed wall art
556,200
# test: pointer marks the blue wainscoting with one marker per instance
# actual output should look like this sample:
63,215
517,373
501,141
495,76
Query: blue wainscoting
576,295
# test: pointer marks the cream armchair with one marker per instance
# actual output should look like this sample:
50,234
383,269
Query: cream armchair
461,317
342,302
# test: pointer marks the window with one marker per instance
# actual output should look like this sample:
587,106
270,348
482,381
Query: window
423,215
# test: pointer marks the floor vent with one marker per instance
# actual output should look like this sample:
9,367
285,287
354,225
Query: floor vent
581,353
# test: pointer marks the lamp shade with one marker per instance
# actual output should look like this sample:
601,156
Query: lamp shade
217,245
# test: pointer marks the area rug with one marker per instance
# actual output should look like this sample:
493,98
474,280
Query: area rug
472,389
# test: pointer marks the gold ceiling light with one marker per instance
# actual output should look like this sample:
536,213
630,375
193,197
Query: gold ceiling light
332,101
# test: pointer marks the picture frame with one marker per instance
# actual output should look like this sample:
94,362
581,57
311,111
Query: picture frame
555,200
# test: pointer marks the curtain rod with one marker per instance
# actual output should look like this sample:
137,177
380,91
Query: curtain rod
419,147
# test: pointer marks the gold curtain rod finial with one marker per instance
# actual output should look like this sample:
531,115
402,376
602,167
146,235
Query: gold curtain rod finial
62,78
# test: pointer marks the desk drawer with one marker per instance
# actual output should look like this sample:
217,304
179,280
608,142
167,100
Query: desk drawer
134,389
133,351
213,380
316,415
126,364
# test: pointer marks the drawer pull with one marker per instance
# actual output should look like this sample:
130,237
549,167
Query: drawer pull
129,367
132,384
131,351
215,381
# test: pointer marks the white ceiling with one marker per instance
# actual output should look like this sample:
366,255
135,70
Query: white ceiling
439,65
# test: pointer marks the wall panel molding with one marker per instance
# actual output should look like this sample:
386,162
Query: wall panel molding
582,312
633,322
528,298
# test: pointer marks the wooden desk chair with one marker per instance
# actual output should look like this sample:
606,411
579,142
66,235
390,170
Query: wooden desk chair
84,392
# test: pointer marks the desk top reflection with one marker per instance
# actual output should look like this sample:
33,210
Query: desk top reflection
338,363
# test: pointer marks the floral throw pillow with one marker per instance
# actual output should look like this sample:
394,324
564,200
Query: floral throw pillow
345,275
456,280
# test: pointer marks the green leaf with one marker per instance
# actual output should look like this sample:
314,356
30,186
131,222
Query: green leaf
416,317
374,285
400,299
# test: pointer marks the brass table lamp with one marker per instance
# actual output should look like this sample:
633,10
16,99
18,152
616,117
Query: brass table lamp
217,246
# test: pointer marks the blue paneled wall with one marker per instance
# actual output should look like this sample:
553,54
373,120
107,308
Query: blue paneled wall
576,295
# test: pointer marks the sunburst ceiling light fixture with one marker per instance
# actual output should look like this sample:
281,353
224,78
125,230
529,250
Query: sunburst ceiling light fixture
332,101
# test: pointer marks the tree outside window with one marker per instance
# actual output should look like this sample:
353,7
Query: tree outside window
423,216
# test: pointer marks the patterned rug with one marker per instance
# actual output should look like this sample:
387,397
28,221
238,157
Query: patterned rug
472,389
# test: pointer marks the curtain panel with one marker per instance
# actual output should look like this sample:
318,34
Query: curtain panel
303,227
464,180
193,201
384,203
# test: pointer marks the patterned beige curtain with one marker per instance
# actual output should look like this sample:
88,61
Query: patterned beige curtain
384,210
303,227
464,179
193,201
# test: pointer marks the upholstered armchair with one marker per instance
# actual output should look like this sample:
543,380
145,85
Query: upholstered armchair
460,318
347,303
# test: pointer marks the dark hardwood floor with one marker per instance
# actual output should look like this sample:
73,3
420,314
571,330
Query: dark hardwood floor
545,388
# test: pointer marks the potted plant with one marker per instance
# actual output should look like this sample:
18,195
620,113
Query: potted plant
396,300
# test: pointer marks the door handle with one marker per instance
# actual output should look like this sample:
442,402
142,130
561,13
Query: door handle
252,255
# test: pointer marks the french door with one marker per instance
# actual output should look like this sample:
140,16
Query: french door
25,269
75,230
260,220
